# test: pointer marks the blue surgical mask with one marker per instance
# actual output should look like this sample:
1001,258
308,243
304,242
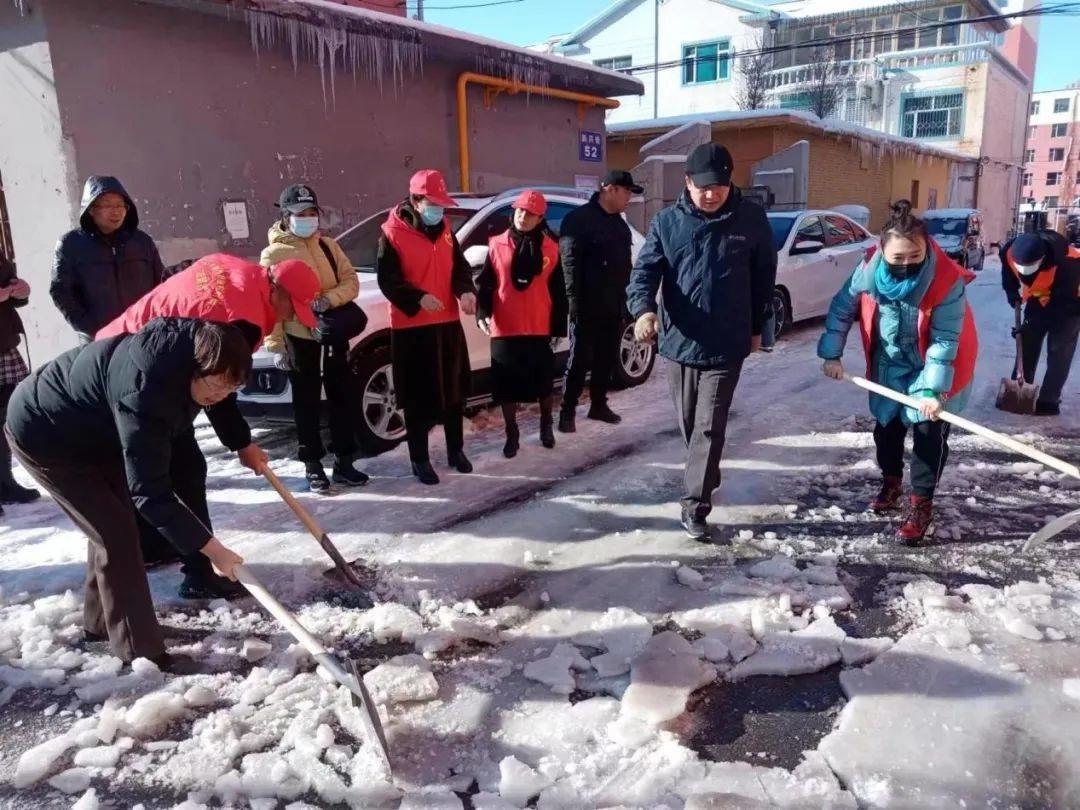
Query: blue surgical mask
303,226
432,214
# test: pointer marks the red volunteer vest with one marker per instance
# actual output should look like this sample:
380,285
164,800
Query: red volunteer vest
946,274
426,265
219,288
515,312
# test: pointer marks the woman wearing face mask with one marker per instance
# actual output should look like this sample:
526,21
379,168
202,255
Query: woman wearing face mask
425,277
521,304
919,335
312,365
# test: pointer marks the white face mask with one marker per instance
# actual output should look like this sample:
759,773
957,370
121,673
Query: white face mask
1027,269
303,226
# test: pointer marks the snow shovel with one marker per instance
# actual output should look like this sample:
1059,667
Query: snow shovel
354,683
1017,396
346,570
1054,527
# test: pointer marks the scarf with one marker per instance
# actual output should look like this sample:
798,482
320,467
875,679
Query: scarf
528,258
892,288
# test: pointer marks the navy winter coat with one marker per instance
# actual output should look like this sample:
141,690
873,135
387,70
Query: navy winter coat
96,277
715,276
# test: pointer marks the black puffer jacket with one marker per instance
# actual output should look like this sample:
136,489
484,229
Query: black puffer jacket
96,277
594,247
120,400
10,323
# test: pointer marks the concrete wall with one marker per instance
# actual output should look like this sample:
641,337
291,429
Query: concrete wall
37,167
178,106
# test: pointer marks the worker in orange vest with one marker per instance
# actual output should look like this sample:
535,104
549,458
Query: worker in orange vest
1042,272
521,304
426,278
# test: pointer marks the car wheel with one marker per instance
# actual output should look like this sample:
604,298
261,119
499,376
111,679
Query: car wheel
781,311
380,422
635,361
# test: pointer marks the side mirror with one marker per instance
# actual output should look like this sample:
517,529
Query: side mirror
806,246
476,255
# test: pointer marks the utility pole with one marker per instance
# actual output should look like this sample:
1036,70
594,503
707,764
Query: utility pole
420,10
655,60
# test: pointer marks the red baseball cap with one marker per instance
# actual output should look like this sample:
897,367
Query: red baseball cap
532,201
431,184
298,279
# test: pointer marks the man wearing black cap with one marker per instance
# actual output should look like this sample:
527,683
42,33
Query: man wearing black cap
1042,271
594,246
712,257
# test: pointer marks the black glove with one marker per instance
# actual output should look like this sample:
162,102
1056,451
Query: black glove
1018,331
1014,301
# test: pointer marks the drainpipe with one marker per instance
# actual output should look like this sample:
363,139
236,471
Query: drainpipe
494,86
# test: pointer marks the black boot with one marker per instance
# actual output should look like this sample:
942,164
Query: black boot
459,462
1047,408
567,423
316,477
547,434
602,413
345,473
425,472
513,435
210,586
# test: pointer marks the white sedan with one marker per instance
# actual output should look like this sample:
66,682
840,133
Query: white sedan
817,252
380,423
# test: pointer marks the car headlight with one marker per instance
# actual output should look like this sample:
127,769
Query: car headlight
266,382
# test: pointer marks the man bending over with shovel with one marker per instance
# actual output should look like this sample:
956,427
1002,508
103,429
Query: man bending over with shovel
1042,271
222,289
97,428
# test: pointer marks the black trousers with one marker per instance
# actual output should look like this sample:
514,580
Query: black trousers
702,398
187,471
594,346
316,366
1060,334
931,440
418,426
117,600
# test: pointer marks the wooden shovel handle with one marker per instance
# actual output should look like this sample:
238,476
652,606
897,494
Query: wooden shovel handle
973,427
294,504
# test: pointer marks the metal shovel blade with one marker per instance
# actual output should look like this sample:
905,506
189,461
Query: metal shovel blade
367,707
1052,529
1015,396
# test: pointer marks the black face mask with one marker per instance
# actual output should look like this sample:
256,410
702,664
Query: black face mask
904,271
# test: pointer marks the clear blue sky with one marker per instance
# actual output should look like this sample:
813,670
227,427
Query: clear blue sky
532,21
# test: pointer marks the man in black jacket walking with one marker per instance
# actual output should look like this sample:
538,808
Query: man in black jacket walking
106,264
712,257
594,247
98,429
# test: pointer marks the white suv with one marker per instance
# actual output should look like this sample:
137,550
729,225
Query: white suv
380,424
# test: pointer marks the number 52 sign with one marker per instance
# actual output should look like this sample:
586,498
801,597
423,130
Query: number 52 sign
591,147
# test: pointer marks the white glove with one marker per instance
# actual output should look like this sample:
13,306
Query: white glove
282,362
320,304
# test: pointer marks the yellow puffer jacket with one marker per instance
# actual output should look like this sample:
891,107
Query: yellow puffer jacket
340,290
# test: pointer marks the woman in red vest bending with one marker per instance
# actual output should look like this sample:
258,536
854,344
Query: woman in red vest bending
425,277
919,336
521,304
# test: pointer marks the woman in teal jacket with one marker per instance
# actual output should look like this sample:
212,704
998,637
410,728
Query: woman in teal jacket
919,336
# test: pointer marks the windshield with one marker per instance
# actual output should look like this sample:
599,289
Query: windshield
781,227
947,227
361,244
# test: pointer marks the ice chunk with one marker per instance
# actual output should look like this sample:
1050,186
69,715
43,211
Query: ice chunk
402,678
88,801
490,801
662,678
1018,625
518,783
712,648
922,589
779,567
324,736
953,636
255,649
771,615
431,800
39,760
146,669
199,696
690,578
858,651
620,631
151,714
1054,634
555,670
73,780
102,756
789,654
1071,688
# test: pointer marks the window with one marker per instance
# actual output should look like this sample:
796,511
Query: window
914,196
905,36
838,231
1034,108
1031,133
1061,105
707,62
810,231
615,63
497,222
556,213
1057,155
1029,156
1026,179
1051,201
932,116
1053,178
784,55
950,34
361,243
1078,178
1059,130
